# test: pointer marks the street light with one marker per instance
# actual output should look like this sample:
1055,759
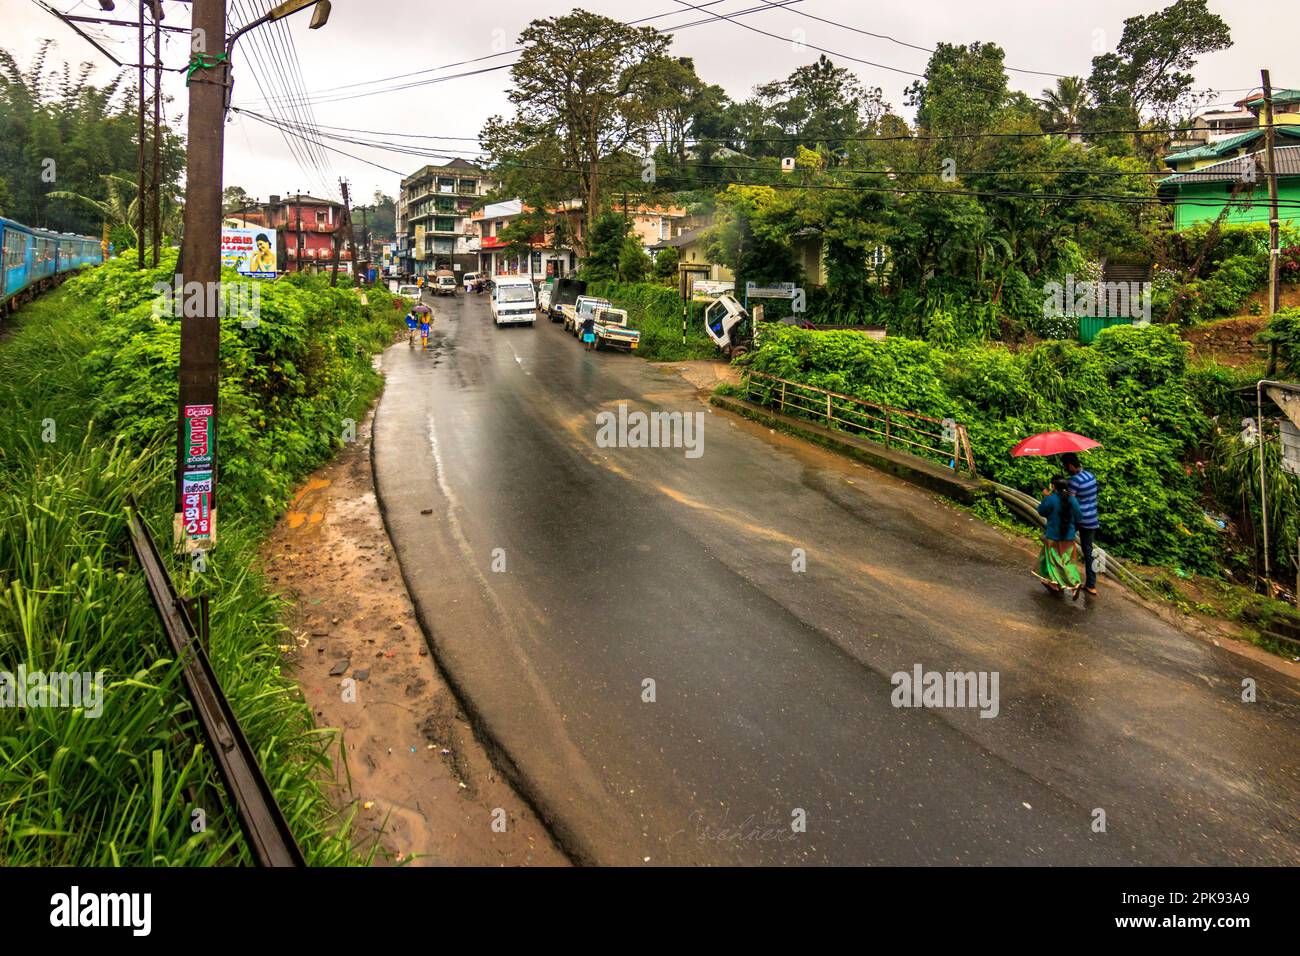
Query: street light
319,17
106,5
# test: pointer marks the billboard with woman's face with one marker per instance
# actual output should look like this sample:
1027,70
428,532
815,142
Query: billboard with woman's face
250,251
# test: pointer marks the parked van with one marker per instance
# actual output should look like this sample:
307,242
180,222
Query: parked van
444,283
469,278
514,301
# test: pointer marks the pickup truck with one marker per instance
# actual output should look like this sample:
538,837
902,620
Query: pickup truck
609,323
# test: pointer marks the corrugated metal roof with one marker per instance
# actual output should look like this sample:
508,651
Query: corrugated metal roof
1231,144
1288,164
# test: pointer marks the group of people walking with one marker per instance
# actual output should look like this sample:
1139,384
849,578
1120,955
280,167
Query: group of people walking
1070,508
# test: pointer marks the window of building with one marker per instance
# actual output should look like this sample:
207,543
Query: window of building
322,216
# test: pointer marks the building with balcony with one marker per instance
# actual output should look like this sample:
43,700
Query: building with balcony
544,260
305,230
434,206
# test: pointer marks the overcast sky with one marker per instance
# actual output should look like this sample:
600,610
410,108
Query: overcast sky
369,40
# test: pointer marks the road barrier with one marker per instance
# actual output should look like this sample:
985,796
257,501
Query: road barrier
946,440
185,622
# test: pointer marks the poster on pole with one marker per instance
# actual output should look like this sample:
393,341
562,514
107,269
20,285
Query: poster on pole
198,437
249,251
196,504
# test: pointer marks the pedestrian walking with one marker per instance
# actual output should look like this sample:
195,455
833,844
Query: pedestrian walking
589,333
1058,563
1083,485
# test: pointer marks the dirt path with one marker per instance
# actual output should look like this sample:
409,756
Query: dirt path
413,760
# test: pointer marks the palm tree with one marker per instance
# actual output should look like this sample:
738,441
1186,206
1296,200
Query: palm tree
1065,104
118,209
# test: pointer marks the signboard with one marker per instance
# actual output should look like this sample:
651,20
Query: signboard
417,250
704,289
198,437
779,290
250,251
1290,447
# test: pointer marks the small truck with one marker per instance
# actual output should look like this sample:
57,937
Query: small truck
608,323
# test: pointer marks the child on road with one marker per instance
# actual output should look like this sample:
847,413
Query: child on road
589,333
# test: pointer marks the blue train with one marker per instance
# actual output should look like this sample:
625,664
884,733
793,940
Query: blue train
36,259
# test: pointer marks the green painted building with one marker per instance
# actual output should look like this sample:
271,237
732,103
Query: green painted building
1200,195
1230,170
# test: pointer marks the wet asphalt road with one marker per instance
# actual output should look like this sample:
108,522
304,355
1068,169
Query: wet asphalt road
772,688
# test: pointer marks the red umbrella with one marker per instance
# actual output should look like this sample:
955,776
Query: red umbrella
1053,443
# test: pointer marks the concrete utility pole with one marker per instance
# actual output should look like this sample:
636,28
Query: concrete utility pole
195,522
208,80
1270,138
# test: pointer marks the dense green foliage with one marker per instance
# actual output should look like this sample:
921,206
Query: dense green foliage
92,361
657,312
60,133
1130,391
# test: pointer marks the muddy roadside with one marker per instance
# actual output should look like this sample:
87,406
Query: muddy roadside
415,771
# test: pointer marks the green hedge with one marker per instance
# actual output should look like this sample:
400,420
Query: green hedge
91,368
657,311
1130,390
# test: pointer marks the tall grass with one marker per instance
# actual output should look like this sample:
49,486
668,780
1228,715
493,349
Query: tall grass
124,788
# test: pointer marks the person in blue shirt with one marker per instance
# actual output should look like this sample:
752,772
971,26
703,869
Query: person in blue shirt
411,326
1058,563
1083,485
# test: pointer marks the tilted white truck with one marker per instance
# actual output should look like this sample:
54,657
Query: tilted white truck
608,323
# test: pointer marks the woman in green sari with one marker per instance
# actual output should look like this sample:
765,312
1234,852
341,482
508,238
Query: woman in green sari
1058,564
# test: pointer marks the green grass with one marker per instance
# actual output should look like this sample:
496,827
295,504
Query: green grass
121,789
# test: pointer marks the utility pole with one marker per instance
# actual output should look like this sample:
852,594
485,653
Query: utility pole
141,193
1270,138
338,237
352,235
156,183
195,521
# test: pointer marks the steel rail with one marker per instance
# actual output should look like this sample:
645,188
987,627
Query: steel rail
265,828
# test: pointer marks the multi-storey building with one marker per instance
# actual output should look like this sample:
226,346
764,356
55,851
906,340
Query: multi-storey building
305,227
433,214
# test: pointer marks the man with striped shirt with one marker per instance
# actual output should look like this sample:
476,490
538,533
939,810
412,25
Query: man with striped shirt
1083,485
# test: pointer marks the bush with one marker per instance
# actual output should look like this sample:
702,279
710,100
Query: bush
1130,391
657,312
94,359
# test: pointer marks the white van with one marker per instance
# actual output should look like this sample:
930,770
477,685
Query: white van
514,301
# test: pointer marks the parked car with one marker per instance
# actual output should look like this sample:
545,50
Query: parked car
411,292
544,295
468,279
514,301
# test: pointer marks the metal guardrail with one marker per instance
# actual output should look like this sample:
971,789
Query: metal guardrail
185,623
891,427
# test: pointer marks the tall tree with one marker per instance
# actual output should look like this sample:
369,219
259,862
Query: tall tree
1148,76
585,97
820,104
964,89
